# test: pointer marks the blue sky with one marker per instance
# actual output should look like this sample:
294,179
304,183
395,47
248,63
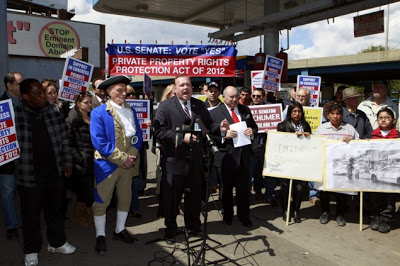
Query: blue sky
318,39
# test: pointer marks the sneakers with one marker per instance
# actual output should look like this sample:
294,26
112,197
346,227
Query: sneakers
64,249
31,259
340,221
323,219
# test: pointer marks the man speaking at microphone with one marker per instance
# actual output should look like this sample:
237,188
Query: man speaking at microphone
181,154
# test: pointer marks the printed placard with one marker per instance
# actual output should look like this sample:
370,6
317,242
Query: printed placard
171,60
9,147
272,73
76,78
313,84
257,79
142,108
266,116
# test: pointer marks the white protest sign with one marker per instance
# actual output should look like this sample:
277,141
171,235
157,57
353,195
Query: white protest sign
289,156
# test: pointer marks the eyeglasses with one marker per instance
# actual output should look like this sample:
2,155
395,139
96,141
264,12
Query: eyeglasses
256,96
301,96
381,118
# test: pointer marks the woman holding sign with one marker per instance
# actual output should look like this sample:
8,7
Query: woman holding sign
294,122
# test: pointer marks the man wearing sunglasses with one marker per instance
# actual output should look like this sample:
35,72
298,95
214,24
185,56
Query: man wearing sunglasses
259,98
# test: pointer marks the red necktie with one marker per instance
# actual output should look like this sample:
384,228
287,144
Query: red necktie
234,116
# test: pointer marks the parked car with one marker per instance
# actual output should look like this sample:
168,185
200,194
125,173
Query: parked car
390,173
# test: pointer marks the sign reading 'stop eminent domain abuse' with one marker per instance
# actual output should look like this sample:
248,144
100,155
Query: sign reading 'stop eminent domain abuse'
57,38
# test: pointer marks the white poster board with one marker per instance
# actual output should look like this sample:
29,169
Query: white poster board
289,156
362,165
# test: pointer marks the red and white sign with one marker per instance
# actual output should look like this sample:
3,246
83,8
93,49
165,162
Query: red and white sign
76,78
266,116
256,79
9,147
171,60
368,24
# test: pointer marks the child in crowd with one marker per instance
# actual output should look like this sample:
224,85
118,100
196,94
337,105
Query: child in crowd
383,204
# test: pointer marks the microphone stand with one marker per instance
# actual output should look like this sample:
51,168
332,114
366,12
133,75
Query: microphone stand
200,257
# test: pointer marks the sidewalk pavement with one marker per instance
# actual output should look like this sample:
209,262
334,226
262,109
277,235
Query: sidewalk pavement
269,241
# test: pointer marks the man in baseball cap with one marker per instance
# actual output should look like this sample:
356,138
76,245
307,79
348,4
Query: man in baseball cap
213,93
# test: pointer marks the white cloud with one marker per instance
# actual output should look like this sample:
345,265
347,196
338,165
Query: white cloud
316,40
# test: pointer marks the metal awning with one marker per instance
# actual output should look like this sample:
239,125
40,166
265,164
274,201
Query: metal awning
237,20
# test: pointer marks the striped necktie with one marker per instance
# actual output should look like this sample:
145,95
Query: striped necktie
185,109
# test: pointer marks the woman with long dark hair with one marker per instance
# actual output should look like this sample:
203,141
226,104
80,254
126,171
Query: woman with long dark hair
295,123
78,122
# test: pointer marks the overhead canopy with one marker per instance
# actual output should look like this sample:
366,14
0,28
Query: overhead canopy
237,19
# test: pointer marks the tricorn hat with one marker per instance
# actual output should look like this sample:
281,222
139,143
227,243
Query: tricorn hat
350,92
104,85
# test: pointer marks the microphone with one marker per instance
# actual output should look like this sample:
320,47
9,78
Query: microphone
186,124
176,137
205,131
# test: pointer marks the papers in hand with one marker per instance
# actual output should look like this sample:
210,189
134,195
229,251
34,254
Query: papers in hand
241,139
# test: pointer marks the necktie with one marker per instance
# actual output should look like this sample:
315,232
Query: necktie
234,116
186,109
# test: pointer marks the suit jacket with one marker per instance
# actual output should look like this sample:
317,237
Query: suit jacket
170,115
108,138
95,102
227,149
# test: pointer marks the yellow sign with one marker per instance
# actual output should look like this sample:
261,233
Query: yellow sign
313,116
56,39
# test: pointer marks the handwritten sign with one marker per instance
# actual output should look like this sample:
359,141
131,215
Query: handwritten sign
266,116
142,108
313,116
289,156
9,147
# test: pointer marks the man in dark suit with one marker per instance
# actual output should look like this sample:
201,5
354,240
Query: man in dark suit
233,163
100,96
181,155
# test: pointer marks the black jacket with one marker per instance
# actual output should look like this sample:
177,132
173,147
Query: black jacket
227,148
81,144
286,126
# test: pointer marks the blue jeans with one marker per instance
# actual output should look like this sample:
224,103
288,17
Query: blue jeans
270,184
135,195
7,197
313,192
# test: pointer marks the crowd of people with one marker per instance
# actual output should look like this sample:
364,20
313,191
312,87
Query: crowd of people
96,147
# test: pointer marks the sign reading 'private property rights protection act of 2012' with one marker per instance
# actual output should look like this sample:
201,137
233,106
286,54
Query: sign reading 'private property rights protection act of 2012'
9,147
171,60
